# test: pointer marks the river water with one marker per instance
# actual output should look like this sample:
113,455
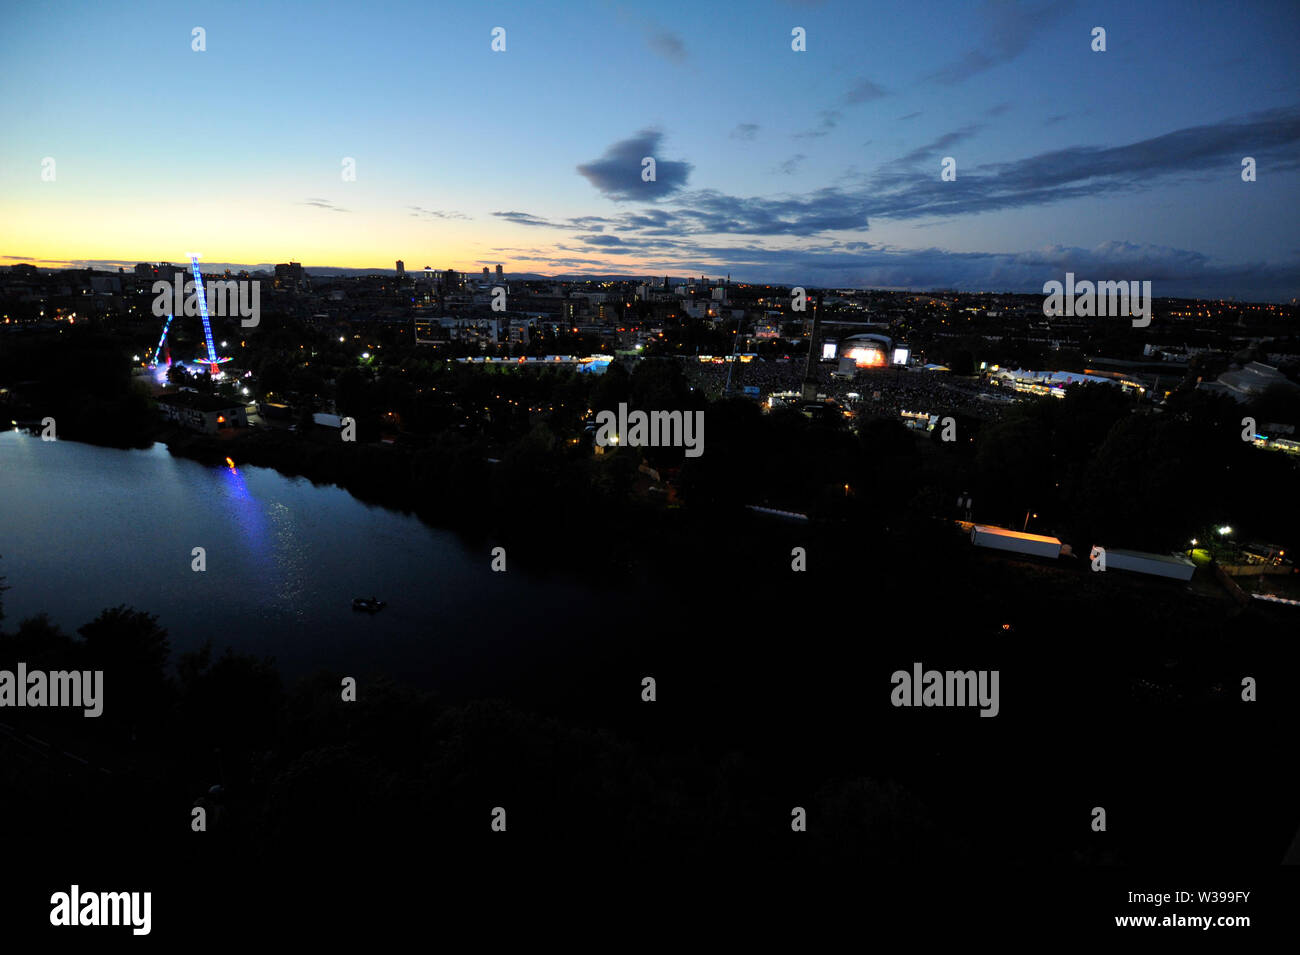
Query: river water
83,528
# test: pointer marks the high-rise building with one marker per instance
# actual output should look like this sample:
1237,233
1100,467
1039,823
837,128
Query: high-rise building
289,275
401,268
486,274
499,277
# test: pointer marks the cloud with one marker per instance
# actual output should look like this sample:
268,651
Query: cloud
648,219
903,119
997,110
435,213
617,174
601,240
322,204
1009,27
830,119
662,41
744,131
673,236
944,142
523,218
711,211
667,44
1172,271
790,165
864,91
898,192
1058,118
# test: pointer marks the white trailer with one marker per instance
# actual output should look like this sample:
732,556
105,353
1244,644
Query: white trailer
1160,565
999,538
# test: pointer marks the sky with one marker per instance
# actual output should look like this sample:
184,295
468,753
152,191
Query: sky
819,167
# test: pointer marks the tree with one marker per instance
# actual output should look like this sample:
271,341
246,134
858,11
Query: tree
132,650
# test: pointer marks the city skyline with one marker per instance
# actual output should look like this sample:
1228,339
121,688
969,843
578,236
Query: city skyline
819,167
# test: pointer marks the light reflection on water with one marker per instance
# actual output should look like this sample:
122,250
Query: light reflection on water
83,528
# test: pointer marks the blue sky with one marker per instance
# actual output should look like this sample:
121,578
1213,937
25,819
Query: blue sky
820,167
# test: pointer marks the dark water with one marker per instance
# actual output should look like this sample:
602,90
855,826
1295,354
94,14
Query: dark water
83,528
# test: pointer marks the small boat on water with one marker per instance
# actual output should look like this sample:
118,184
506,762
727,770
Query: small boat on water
368,604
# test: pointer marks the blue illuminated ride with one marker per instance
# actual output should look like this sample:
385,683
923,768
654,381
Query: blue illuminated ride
161,340
212,361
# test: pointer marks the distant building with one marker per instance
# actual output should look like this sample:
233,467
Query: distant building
401,268
105,284
500,277
1243,384
290,275
206,413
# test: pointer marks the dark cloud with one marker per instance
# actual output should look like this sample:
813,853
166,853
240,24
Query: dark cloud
617,174
1009,27
790,165
523,218
667,44
903,119
830,119
1172,272
672,233
864,91
648,219
897,191
944,142
710,211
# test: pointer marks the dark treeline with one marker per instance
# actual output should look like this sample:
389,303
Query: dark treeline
80,377
1090,468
